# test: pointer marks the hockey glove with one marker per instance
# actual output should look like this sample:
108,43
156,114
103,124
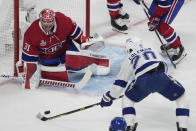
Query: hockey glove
153,23
95,43
20,68
107,99
137,1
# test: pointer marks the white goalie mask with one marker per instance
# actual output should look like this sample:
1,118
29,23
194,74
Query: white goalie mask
133,44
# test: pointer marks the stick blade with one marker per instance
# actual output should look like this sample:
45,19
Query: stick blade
84,80
41,117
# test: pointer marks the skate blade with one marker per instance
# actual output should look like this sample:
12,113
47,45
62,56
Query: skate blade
123,32
125,21
180,59
164,53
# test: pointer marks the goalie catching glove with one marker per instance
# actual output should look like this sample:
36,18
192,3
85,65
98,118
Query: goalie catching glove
95,43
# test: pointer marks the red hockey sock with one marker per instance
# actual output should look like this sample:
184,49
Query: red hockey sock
113,7
169,34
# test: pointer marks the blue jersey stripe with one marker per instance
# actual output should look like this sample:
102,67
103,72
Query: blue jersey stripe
113,6
145,66
120,83
128,110
29,58
182,112
77,32
171,38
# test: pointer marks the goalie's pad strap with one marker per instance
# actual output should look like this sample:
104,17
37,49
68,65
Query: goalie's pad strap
53,68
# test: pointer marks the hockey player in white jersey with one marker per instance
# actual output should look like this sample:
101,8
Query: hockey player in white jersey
149,76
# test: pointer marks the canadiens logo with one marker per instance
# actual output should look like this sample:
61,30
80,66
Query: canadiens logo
43,43
53,48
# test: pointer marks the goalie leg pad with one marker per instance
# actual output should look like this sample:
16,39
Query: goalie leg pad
59,76
99,70
31,76
58,73
98,64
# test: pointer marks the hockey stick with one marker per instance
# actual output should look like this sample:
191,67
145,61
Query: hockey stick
144,6
44,118
56,83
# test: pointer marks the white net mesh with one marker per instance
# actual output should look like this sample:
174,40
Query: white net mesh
6,39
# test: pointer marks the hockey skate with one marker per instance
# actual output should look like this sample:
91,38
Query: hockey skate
132,128
180,128
123,15
176,54
118,24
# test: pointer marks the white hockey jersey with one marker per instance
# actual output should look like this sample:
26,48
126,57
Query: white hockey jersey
137,63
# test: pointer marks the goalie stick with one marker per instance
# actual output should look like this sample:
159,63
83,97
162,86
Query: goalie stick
144,6
44,118
62,84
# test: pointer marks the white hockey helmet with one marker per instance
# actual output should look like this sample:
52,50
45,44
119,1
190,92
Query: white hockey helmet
132,44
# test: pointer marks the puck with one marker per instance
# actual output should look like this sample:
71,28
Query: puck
47,112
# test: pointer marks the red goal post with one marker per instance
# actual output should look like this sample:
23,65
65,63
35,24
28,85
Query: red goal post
16,34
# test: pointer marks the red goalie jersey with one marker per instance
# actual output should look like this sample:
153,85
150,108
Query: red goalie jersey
39,43
46,42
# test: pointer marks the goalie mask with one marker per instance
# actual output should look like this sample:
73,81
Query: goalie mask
47,20
133,44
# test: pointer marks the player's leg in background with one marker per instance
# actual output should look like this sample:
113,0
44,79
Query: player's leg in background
174,45
117,15
172,38
124,16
